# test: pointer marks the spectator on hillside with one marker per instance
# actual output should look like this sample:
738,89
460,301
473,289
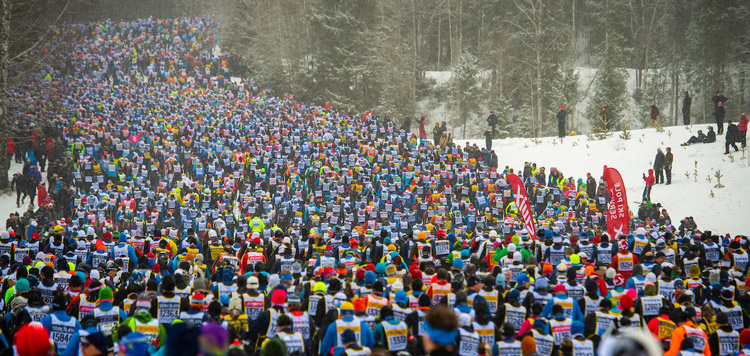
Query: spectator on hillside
742,127
686,103
719,114
492,121
649,182
659,166
731,138
407,124
718,98
654,115
488,139
669,158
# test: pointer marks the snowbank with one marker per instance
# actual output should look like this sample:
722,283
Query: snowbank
577,155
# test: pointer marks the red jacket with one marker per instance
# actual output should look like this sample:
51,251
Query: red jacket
742,126
650,178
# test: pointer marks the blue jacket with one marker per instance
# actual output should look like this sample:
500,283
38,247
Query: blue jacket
330,341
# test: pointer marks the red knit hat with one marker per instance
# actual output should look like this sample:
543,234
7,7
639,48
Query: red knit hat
32,339
278,297
745,337
560,289
626,302
360,275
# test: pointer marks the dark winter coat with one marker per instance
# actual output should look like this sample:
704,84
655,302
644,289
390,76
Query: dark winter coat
720,113
669,158
686,103
711,136
561,115
591,187
492,120
659,160
732,133
718,99
654,112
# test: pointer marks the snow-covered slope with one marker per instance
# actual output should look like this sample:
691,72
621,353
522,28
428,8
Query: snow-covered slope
725,212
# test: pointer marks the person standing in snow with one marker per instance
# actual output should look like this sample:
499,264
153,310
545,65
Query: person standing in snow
669,158
742,127
492,121
422,132
687,101
719,113
649,182
488,139
731,137
561,115
718,98
659,166
654,115
406,125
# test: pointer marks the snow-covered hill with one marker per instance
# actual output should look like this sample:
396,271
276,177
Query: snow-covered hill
725,212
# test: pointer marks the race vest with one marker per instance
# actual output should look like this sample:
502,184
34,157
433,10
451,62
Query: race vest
400,313
48,293
442,248
225,290
712,252
698,337
62,331
107,320
604,254
253,305
486,332
313,302
544,343
490,297
624,262
395,335
509,348
566,304
665,329
37,313
85,307
273,322
515,315
666,288
341,325
294,342
591,305
195,318
639,244
301,324
286,263
729,343
374,303
583,348
603,320
651,305
150,330
576,292
556,255
439,292
740,259
735,316
469,344
169,309
560,330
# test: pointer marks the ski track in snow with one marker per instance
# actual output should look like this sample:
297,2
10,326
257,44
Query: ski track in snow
577,155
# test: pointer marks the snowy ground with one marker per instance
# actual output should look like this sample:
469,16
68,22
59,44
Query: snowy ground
8,198
578,155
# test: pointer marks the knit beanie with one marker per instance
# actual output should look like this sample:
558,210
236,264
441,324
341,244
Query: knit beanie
106,294
278,297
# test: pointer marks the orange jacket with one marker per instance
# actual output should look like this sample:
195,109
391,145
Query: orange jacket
679,335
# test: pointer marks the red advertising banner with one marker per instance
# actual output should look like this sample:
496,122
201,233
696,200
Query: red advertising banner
522,203
618,216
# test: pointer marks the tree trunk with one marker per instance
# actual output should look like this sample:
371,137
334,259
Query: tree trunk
414,61
440,25
5,18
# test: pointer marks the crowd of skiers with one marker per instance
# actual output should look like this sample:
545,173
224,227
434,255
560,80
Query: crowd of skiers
192,214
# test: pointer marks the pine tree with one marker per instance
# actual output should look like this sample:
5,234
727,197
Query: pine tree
464,89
